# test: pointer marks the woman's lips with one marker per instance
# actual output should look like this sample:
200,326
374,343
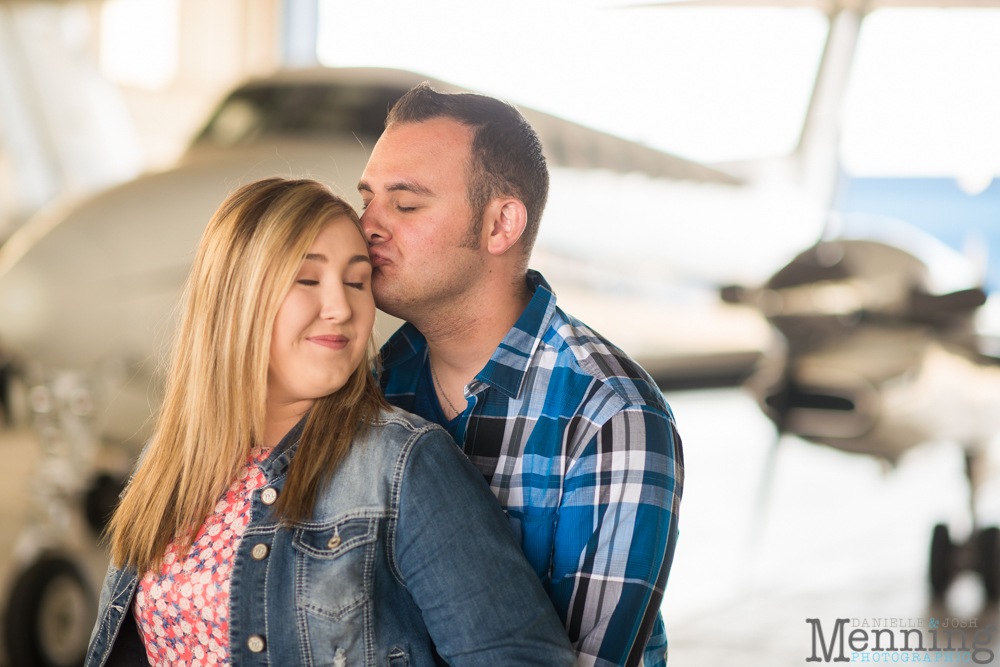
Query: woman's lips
332,342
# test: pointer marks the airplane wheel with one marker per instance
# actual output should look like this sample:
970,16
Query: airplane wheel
988,542
49,616
941,560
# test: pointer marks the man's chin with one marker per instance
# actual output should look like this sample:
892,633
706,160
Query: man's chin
387,302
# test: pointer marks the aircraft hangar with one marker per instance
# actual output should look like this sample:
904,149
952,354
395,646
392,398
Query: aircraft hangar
787,211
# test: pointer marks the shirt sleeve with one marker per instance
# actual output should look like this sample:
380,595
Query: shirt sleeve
616,534
482,603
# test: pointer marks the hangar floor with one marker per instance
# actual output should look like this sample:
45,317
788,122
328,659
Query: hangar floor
840,536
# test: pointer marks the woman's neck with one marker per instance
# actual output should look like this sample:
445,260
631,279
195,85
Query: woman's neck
280,418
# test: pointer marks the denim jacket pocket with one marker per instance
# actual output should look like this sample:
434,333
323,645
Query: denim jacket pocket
332,565
397,658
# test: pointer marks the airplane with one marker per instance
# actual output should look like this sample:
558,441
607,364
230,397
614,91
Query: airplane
880,348
882,355
88,291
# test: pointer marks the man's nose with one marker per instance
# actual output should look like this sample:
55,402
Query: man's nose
373,230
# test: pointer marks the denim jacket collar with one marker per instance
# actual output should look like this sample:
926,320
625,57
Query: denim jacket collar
277,462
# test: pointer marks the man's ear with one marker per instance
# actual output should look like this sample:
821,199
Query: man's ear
504,223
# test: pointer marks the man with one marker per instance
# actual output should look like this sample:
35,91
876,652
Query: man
572,436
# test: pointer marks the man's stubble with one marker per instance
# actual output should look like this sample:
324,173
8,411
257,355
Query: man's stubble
428,296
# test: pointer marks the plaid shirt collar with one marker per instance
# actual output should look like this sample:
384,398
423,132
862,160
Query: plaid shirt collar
507,368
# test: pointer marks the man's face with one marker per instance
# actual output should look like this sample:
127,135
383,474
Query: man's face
417,217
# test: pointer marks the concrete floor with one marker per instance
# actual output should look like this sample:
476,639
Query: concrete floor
832,535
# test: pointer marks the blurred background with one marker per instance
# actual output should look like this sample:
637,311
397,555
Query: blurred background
786,210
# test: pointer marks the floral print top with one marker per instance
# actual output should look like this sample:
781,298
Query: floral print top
182,609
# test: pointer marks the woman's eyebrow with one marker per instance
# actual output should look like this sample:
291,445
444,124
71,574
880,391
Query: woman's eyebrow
353,260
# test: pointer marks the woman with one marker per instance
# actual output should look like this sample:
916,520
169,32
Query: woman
282,513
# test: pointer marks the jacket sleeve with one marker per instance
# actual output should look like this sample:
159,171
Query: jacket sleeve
455,552
615,538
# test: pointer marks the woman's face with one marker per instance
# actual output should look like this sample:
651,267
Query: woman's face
323,325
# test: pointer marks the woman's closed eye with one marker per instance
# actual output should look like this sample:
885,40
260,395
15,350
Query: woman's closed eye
307,281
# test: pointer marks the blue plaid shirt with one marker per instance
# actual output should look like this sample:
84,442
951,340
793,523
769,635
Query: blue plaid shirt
577,443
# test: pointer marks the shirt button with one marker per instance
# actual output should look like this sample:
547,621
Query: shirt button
259,552
255,643
268,496
334,542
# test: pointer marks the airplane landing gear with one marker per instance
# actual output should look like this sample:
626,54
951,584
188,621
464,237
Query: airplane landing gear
980,553
988,542
50,616
942,560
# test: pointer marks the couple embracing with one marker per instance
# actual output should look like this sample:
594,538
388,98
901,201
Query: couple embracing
284,513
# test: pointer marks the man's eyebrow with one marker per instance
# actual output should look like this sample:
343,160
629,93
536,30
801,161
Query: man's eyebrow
409,186
399,186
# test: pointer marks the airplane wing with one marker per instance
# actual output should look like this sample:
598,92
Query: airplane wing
566,144
826,6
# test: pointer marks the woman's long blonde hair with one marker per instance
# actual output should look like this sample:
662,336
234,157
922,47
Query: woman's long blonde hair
216,381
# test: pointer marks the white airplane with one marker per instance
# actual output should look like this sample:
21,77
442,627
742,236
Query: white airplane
881,353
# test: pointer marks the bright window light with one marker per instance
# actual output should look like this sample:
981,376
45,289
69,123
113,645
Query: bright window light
712,84
139,42
924,96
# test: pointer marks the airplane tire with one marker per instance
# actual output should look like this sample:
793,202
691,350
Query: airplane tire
941,560
50,615
988,542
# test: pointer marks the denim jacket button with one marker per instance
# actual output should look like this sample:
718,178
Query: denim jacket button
334,542
268,496
255,643
259,552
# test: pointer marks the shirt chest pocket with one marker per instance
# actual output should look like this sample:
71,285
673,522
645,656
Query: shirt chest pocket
333,565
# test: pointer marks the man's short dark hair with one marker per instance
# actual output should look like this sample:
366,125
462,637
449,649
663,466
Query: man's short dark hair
507,159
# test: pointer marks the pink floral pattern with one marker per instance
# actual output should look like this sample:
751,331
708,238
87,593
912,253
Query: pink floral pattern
183,608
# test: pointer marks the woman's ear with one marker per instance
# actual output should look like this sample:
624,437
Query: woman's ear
504,223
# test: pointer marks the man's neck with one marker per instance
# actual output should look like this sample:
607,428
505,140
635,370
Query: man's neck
462,340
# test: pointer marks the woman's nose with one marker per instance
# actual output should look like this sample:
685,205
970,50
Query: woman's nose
336,306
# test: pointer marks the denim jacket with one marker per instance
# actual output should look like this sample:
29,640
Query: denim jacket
407,560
